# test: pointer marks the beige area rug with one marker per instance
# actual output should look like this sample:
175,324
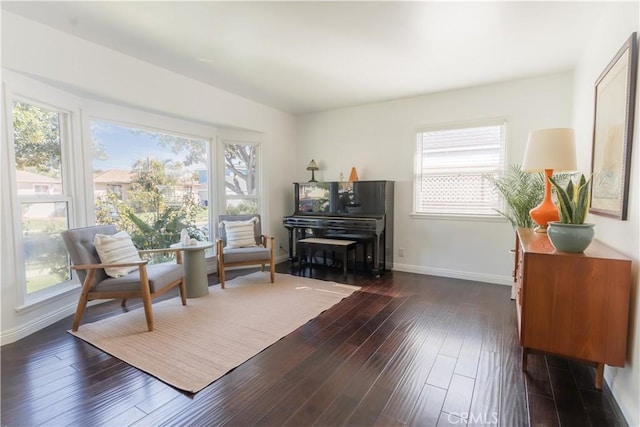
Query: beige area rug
191,346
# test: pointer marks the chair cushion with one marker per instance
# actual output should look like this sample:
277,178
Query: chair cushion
240,234
256,253
160,275
115,249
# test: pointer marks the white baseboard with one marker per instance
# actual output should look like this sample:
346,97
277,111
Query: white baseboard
455,274
282,258
22,331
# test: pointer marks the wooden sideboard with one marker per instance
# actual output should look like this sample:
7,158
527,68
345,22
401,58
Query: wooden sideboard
574,305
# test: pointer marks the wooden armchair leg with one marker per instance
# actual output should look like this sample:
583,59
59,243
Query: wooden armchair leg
183,291
82,304
148,312
221,274
84,298
146,296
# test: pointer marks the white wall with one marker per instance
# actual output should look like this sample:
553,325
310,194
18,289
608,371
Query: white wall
90,70
379,140
615,28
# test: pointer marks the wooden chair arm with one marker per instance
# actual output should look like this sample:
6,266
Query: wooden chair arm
265,238
97,266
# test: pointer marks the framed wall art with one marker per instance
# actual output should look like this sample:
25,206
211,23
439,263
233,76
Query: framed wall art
615,94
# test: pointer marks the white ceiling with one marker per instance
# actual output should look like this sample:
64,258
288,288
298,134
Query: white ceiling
312,56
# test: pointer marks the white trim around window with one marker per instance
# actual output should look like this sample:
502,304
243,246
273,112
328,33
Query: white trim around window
452,165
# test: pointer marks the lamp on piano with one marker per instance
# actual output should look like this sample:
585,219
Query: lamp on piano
313,167
548,150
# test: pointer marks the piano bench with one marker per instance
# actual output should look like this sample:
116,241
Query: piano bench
307,247
366,240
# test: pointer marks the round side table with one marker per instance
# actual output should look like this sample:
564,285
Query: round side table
195,271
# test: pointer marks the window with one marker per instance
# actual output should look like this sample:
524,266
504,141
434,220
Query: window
57,179
39,134
150,183
453,169
41,189
115,189
240,178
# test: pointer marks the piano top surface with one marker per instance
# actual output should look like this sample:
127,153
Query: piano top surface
316,215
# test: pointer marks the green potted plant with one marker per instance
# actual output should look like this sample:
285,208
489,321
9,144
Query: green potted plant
571,233
522,191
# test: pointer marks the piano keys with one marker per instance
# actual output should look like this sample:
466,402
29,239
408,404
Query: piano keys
358,210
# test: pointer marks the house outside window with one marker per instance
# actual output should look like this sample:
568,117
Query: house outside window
39,136
454,166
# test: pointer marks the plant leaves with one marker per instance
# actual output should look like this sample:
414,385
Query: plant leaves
582,202
573,200
564,200
521,191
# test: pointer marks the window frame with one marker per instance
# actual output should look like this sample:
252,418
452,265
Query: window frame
417,170
56,101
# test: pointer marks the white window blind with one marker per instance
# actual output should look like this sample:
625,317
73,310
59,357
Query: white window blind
453,169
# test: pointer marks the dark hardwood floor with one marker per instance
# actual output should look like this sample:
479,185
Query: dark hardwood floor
406,349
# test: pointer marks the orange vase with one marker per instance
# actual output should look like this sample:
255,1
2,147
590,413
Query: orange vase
354,175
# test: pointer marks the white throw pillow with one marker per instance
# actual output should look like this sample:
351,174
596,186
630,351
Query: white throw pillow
116,249
240,234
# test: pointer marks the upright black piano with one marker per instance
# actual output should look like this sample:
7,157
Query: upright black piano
357,210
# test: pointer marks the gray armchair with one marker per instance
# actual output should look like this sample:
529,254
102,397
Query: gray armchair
258,251
147,282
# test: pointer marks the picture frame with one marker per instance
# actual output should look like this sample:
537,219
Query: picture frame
615,94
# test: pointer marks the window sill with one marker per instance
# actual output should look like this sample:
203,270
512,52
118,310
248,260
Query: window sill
36,301
451,217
